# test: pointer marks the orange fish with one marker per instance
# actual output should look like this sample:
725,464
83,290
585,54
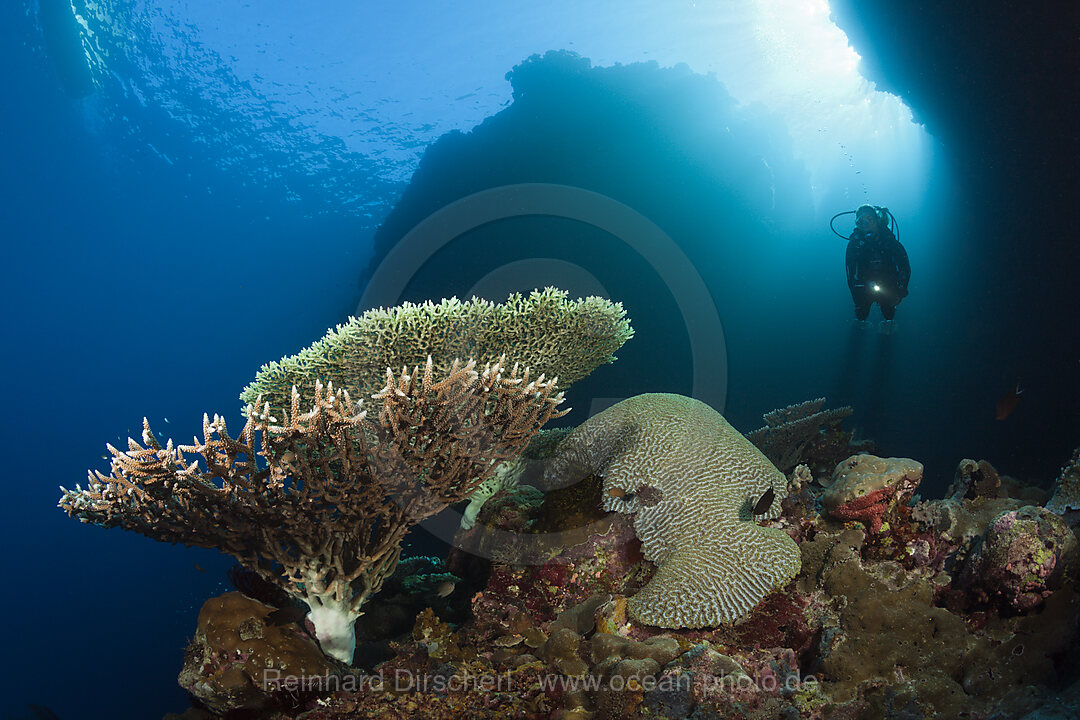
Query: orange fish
1007,403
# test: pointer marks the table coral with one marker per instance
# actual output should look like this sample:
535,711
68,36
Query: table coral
690,481
788,431
547,331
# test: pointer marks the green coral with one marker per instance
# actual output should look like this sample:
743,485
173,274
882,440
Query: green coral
545,331
505,477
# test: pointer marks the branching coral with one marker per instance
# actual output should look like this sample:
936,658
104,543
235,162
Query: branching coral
545,331
323,512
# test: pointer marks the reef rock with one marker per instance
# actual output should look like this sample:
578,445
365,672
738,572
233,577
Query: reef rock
866,487
244,656
1067,489
1024,556
975,479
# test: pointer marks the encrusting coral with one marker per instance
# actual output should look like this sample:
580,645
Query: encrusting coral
691,481
238,650
322,514
545,331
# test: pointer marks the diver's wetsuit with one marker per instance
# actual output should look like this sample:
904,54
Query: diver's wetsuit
877,271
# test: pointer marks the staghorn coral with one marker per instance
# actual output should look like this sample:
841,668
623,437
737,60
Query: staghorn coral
691,481
545,331
323,513
787,431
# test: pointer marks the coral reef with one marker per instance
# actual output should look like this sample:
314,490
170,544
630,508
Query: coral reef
545,331
691,482
651,563
324,516
871,628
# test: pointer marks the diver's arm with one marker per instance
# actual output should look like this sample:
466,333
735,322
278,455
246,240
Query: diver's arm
851,261
903,265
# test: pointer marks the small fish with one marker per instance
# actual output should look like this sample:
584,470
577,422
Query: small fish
764,502
287,615
1007,403
199,568
444,589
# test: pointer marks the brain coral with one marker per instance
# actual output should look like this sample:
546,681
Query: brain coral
691,482
544,331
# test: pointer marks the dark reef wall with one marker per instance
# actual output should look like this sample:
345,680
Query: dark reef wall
999,84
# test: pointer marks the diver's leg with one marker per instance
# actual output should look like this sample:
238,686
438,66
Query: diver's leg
888,311
863,302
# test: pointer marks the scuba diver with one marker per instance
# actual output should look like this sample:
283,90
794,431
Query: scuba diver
877,265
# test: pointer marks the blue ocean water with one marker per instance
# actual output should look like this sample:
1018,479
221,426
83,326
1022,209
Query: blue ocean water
190,192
